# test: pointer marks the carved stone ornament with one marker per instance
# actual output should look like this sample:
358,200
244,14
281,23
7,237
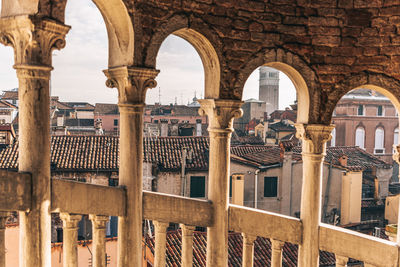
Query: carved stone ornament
33,39
99,221
314,137
132,83
70,220
221,113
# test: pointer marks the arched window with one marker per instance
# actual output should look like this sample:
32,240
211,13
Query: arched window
360,137
379,141
333,140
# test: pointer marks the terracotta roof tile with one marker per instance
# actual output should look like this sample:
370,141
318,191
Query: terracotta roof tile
262,251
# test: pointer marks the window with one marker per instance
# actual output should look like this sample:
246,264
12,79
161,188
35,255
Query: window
270,186
116,122
333,140
360,110
230,186
380,111
197,186
379,141
360,137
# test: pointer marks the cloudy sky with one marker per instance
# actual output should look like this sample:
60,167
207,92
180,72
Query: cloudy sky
78,76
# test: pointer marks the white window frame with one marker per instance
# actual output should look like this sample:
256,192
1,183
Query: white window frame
379,147
383,111
362,139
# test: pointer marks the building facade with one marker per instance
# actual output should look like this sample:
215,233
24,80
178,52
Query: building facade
366,119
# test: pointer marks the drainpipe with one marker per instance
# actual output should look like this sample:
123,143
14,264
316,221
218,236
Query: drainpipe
255,187
184,151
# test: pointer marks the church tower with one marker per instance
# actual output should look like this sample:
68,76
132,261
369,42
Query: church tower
269,88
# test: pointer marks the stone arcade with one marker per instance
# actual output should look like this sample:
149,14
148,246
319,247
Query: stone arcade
327,48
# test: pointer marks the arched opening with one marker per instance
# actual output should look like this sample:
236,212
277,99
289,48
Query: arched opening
366,125
172,124
275,98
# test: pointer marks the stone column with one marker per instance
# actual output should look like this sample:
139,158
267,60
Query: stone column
220,113
132,84
314,138
99,224
3,219
341,261
187,245
248,250
160,229
276,254
396,157
33,40
70,239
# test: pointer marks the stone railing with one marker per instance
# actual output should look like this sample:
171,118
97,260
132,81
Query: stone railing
72,199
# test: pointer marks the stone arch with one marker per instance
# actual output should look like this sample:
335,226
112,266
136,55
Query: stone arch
179,26
115,14
301,75
378,82
120,32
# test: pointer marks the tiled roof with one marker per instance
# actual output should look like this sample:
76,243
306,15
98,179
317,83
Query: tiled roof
101,108
262,251
166,152
246,149
73,152
358,159
5,104
10,95
281,126
101,153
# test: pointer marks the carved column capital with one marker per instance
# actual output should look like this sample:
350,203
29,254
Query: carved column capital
277,244
99,221
131,82
70,220
33,39
248,239
160,227
221,113
314,137
187,230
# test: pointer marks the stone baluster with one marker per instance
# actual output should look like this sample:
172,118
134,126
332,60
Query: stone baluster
276,254
99,224
33,40
160,229
187,245
314,138
70,239
3,219
132,84
341,261
221,114
248,250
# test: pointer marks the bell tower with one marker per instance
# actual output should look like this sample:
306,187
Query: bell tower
269,88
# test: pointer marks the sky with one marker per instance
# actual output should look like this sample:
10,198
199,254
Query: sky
78,76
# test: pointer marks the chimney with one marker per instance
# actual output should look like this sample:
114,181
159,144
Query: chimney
198,127
238,189
343,160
